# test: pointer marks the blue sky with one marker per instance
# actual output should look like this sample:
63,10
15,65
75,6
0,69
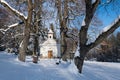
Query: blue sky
108,13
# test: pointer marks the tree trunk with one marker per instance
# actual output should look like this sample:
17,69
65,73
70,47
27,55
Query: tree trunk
63,19
36,46
79,63
63,47
37,25
24,44
64,30
79,60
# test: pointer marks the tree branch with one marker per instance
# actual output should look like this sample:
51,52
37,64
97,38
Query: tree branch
104,35
94,5
90,10
30,11
11,26
17,13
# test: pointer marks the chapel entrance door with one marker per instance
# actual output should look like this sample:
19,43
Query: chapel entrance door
50,54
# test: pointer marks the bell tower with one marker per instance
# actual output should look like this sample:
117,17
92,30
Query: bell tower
50,34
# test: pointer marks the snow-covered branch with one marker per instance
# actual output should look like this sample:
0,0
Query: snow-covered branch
16,12
11,26
108,27
106,31
19,34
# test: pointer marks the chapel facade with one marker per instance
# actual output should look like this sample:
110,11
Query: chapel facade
50,48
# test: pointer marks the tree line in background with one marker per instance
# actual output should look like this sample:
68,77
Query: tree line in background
32,16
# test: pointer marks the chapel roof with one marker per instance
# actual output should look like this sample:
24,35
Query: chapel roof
50,32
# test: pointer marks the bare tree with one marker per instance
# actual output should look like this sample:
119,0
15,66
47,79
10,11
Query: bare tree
84,47
37,24
65,13
27,21
68,10
63,25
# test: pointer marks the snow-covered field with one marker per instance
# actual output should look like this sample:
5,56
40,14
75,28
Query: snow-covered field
12,69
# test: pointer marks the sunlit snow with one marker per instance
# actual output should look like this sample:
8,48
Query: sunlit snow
46,69
93,1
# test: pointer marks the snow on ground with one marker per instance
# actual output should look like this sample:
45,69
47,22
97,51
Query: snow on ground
46,69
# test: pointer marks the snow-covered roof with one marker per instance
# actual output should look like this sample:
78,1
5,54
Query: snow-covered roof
50,42
50,32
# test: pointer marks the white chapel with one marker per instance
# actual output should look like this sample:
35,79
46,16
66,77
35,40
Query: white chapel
49,49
